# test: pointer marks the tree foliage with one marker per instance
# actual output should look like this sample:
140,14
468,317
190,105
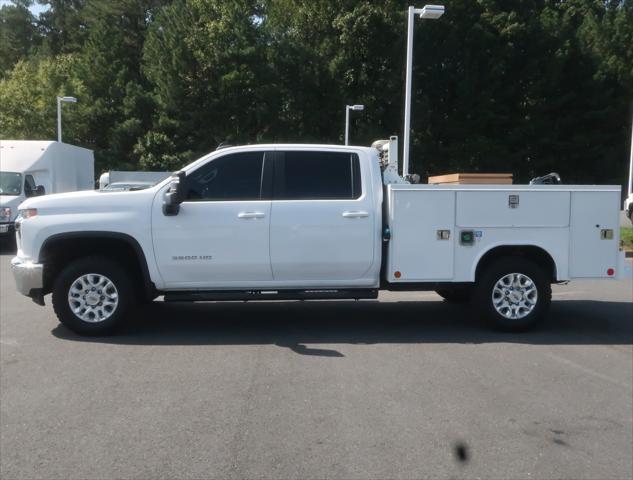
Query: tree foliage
527,86
18,34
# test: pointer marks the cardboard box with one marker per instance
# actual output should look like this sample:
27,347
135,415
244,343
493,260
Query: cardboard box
472,179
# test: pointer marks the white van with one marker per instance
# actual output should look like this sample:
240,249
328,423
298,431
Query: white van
30,168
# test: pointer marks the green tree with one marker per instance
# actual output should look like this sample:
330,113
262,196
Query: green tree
63,23
508,87
211,81
109,66
527,86
28,101
18,34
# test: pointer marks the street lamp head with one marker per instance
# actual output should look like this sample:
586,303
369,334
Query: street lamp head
68,99
356,108
432,12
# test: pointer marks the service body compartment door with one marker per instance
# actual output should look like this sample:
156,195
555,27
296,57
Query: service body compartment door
593,215
420,221
512,208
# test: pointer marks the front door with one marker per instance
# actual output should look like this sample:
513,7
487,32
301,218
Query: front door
220,237
322,222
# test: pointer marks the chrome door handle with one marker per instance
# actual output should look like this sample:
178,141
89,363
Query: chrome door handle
247,215
357,214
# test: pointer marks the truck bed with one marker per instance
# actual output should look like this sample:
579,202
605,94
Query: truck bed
440,232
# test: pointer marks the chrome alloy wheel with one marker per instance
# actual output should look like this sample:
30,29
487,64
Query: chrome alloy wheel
93,297
514,296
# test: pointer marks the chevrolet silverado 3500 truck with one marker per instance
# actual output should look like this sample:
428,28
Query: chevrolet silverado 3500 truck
266,222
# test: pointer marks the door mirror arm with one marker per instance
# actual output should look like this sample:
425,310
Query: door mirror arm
175,194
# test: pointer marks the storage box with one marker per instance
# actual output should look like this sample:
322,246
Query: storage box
472,178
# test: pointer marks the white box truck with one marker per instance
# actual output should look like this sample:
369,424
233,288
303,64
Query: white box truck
279,222
30,168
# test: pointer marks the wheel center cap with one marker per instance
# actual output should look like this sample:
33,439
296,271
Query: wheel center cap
92,299
516,296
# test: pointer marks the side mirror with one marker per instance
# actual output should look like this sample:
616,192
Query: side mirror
175,195
39,190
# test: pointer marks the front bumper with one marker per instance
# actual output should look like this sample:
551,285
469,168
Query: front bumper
29,277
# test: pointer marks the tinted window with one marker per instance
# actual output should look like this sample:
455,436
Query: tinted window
317,175
231,177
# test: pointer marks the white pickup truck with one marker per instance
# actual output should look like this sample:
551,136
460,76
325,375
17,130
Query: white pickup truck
269,222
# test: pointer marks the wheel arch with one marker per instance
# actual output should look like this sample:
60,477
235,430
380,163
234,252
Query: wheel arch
57,250
535,253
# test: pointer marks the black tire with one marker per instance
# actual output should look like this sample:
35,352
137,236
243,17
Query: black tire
483,294
105,267
7,244
455,295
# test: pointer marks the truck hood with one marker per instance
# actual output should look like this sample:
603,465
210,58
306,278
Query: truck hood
89,201
10,200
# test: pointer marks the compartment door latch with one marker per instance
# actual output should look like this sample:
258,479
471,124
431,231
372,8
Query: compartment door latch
606,234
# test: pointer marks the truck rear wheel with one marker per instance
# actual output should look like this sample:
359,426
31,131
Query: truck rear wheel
92,295
455,295
513,294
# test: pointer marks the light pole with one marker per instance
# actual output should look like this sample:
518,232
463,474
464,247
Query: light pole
356,108
430,12
59,114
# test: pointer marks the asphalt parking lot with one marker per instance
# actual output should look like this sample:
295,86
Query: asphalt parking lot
407,387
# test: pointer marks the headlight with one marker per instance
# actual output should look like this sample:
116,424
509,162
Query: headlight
25,213
5,214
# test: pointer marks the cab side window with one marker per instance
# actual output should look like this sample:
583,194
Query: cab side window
317,176
231,177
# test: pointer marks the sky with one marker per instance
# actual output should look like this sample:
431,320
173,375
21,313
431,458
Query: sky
36,8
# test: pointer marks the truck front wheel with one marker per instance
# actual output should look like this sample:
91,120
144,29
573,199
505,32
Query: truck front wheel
92,295
513,293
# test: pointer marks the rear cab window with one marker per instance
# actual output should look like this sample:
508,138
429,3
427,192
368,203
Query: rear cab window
314,175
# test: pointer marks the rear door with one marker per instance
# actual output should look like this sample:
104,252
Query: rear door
322,218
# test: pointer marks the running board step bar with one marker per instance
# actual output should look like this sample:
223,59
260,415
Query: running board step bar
246,295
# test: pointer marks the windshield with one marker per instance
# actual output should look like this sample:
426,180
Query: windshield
10,183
